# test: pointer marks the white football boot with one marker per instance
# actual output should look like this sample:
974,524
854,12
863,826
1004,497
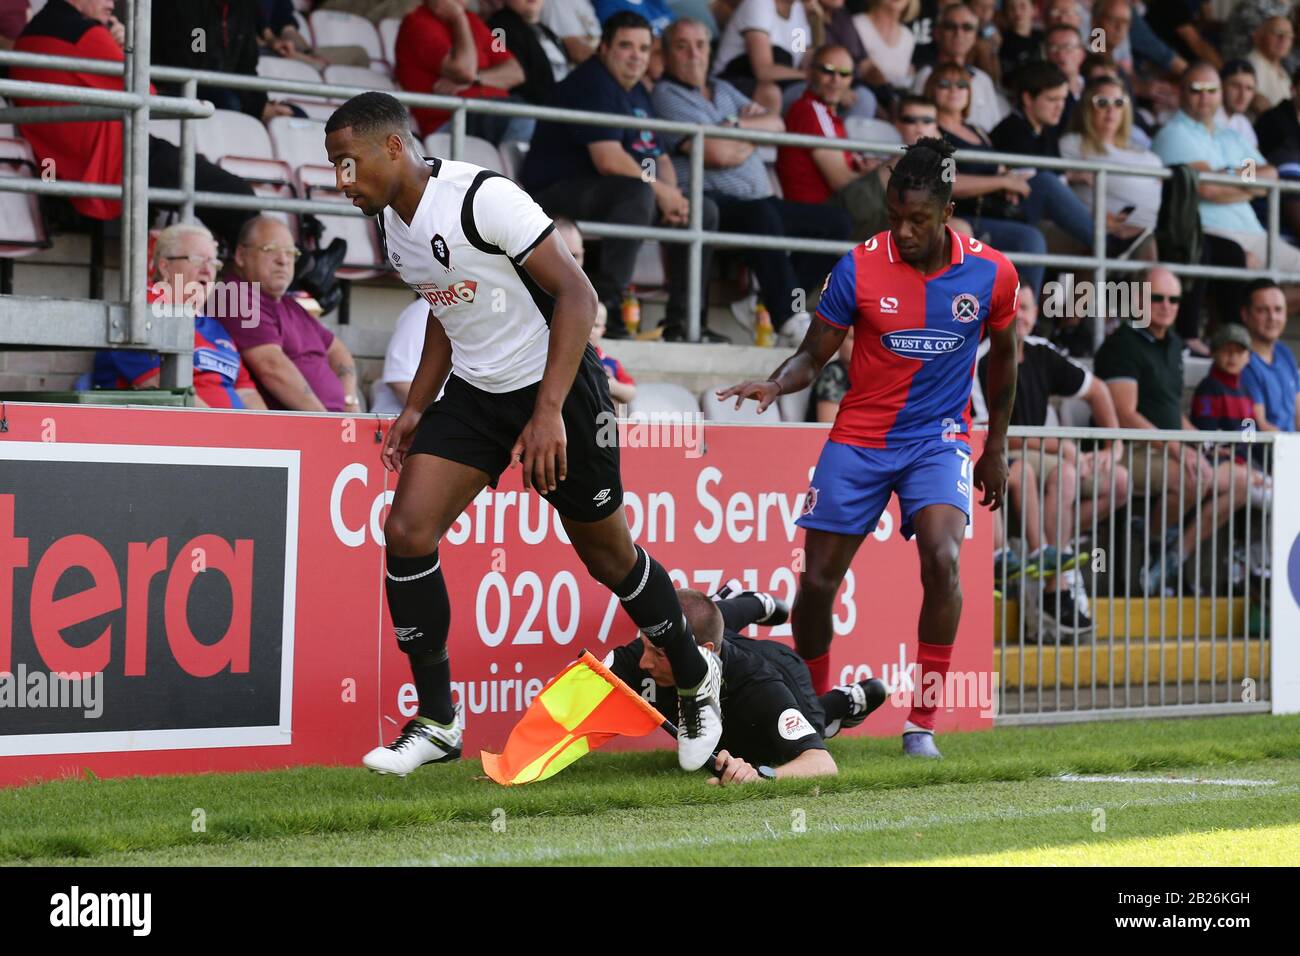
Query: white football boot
699,717
418,743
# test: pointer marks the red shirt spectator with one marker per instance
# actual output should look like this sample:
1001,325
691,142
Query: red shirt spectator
423,43
801,180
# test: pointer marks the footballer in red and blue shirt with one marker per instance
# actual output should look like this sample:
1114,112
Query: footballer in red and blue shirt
919,298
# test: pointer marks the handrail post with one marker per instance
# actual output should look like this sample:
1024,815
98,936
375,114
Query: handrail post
458,133
1274,221
695,256
188,149
135,234
1099,253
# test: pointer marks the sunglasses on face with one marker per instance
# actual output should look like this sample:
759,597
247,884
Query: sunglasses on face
1106,102
1204,87
911,119
1160,299
835,71
953,84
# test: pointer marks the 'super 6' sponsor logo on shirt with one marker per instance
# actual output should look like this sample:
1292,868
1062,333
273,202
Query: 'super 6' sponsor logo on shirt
923,344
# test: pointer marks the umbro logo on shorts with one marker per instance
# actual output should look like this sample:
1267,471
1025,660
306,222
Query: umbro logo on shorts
408,633
601,496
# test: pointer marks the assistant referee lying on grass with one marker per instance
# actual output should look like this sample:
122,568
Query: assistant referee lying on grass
773,716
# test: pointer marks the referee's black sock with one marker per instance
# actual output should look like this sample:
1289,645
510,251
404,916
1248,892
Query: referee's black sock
421,613
836,704
651,601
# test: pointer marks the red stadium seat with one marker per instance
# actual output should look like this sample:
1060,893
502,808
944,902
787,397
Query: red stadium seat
364,259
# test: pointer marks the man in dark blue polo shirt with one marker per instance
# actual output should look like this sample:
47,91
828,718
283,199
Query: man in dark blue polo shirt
1142,365
616,174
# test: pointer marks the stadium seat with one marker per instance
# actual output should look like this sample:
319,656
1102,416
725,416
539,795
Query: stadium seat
726,411
278,68
300,20
654,397
268,177
794,406
320,110
649,272
364,259
513,154
22,226
477,151
168,130
358,76
1075,413
299,142
872,130
388,30
333,28
228,132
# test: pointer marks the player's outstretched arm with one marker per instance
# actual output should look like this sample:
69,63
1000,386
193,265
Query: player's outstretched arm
991,470
542,446
796,373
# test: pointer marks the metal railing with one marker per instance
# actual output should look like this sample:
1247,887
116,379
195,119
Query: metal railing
694,235
1133,580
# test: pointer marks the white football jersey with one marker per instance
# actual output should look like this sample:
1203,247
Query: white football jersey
463,254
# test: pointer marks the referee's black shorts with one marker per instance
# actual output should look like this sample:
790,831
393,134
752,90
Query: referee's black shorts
478,428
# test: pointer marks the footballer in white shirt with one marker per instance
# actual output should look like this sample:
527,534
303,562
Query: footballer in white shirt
510,313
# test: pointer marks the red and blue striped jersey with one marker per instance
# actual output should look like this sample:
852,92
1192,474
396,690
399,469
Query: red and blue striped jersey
915,337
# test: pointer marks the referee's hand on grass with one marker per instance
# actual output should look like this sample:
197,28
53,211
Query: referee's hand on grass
541,450
398,440
733,770
765,393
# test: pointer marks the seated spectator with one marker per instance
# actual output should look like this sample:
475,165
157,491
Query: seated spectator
1065,51
1143,368
1278,134
1222,403
443,48
1022,42
1177,23
1067,13
1239,99
184,266
763,48
622,386
736,180
599,172
1193,138
1270,377
297,363
13,17
887,42
92,151
576,24
837,176
230,32
985,194
401,360
987,39
956,39
1100,130
1071,475
1098,65
540,52
1246,16
657,12
832,384
277,30
1273,40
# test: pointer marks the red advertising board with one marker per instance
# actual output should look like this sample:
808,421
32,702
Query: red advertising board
216,580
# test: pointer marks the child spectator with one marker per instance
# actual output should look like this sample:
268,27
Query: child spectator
1221,402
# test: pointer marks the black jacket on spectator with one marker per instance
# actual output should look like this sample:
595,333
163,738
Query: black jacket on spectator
229,43
1015,135
1278,131
539,79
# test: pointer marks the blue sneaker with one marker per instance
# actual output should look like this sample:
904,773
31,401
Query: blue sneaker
920,743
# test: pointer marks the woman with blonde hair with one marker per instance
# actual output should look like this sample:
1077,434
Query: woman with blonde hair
889,42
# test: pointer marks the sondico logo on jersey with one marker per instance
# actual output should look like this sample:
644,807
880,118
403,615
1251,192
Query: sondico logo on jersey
454,294
923,344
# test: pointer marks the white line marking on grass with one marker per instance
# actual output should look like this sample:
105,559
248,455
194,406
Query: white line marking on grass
540,854
1186,781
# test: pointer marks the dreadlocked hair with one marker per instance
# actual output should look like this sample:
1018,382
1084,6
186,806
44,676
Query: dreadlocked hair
926,165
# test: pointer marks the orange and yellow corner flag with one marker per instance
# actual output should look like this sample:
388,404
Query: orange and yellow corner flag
583,707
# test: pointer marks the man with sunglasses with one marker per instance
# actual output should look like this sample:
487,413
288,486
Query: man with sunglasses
297,363
955,35
1195,138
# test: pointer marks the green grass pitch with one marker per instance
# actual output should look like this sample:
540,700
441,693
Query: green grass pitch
1212,791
